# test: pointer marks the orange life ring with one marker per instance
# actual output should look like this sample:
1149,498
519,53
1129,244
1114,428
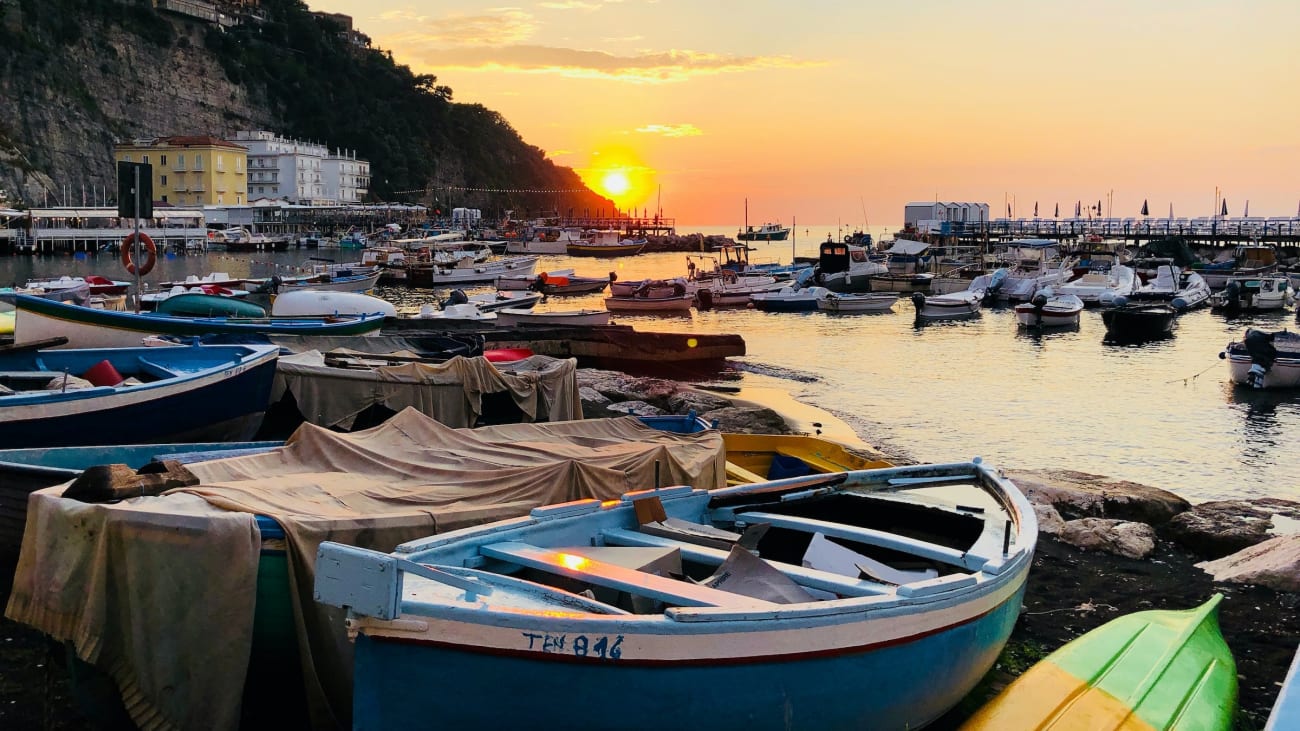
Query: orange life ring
128,244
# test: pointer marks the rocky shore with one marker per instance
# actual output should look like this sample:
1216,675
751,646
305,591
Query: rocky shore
1107,547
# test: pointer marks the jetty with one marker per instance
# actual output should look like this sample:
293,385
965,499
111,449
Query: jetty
1217,231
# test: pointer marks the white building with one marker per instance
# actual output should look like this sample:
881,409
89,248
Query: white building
301,172
929,216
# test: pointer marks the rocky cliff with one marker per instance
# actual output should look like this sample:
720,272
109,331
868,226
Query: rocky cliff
79,75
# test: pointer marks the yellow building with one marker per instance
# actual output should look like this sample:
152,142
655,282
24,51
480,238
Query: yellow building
194,170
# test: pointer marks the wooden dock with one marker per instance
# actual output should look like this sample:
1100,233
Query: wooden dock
1212,232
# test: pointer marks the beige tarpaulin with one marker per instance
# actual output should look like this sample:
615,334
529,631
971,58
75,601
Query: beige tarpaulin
544,388
408,478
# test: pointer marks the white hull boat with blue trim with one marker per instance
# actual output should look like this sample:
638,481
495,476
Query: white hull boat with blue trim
871,599
956,306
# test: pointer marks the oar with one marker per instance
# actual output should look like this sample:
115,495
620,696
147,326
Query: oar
53,342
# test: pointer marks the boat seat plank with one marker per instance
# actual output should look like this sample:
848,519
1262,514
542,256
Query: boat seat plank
870,537
607,575
156,370
736,472
817,463
811,578
29,375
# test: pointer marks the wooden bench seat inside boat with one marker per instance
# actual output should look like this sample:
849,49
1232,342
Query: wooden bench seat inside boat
870,537
599,573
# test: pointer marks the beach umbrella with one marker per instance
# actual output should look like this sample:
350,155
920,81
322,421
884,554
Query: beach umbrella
1035,209
1078,208
1008,210
1225,207
1058,211
1144,207
1098,206
1247,213
1171,211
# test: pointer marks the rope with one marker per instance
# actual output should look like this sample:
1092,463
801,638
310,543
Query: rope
1193,378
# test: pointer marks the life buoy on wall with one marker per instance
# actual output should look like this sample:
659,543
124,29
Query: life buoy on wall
128,244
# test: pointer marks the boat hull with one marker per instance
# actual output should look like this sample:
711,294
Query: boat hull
512,318
358,284
536,247
1284,373
946,307
649,304
603,250
857,303
897,684
1030,316
1139,323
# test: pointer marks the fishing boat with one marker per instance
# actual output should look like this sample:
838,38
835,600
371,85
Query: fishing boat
955,306
843,267
325,303
789,299
336,279
764,457
1286,709
85,327
1263,359
1136,322
1183,289
1160,670
607,243
823,602
1050,309
516,318
1101,287
467,271
122,395
765,232
568,284
867,302
203,304
95,283
643,303
517,282
1250,260
1252,294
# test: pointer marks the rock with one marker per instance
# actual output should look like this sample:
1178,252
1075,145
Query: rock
622,387
635,408
594,403
1216,529
1049,521
697,401
1081,495
1275,563
748,420
1120,537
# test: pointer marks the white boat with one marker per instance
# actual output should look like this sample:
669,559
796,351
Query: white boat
461,311
1101,288
545,240
734,292
1184,290
789,299
1248,260
1264,293
869,302
1050,309
668,303
845,267
1264,359
652,287
766,232
513,318
1032,264
953,306
333,278
318,303
496,301
516,282
468,272
94,283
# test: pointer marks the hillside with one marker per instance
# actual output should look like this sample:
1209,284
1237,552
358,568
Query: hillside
78,75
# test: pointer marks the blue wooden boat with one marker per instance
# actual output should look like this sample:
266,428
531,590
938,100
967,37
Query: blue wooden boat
84,327
1286,709
871,599
200,392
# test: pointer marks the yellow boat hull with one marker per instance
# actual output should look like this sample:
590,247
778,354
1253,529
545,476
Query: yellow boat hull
761,457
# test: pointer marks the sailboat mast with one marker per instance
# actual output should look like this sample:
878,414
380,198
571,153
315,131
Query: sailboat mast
794,236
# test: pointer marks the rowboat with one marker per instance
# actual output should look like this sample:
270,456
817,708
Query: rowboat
200,392
1155,670
763,457
1286,709
335,279
467,271
326,303
1049,309
867,302
668,605
955,306
513,318
1137,322
84,327
669,303
95,283
569,284
203,304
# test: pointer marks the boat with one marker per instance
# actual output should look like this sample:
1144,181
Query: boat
1248,260
203,304
606,243
901,282
764,457
1286,709
651,287
325,303
734,291
955,306
85,327
645,303
1050,309
122,395
460,311
516,318
358,279
151,300
1031,264
1263,359
468,271
1265,293
1101,287
95,283
496,301
740,590
843,267
220,279
545,240
1183,289
789,299
564,284
517,282
766,232
868,302
1157,670
1135,322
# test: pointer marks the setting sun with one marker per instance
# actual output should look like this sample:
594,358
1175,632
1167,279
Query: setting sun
616,183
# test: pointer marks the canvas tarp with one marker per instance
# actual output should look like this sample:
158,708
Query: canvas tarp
544,388
80,576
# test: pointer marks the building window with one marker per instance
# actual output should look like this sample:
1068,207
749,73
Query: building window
180,161
239,165
164,199
220,200
162,159
221,163
198,162
164,178
144,159
238,199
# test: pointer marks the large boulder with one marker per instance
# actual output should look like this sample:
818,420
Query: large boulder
1050,522
634,408
1120,537
1222,527
1081,495
684,402
1275,563
594,403
622,387
748,420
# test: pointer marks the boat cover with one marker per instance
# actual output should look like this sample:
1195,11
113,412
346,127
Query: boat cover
907,247
544,388
159,591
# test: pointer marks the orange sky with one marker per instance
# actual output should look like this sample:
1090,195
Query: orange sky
823,108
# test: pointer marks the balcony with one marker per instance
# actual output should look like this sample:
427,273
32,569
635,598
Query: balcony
180,186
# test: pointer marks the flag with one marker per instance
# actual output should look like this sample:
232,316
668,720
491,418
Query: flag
1225,207
1144,207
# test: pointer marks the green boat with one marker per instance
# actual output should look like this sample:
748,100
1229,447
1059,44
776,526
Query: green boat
1157,670
197,304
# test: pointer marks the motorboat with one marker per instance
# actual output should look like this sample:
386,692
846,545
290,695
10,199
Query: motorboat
647,303
1266,293
733,291
1050,309
606,243
496,301
331,278
789,299
843,267
867,302
95,283
1136,321
1031,265
309,303
467,271
515,282
652,287
462,311
561,318
1249,260
567,284
1183,289
1263,359
1101,287
818,602
954,306
765,232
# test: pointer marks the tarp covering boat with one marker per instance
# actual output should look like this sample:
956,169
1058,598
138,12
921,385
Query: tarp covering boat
544,388
159,591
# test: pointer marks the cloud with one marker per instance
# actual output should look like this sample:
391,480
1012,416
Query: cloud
496,27
569,5
650,67
671,130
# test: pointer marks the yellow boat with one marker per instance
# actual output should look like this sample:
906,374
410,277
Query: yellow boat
762,457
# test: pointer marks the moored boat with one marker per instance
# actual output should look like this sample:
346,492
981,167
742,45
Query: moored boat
95,283
783,625
639,303
1263,359
203,304
1135,322
866,302
311,303
1252,294
1286,709
468,271
765,232
1050,309
514,318
338,279
1182,289
1101,287
564,284
120,395
606,243
1160,670
517,282
955,306
789,299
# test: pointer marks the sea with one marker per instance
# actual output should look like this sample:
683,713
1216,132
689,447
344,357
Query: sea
1161,413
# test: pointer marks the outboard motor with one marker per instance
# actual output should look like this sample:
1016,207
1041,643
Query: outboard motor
1039,301
918,301
457,297
1232,297
1259,345
704,297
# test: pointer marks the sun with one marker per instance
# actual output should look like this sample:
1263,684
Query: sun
616,183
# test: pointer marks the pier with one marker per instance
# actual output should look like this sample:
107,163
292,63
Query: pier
1217,231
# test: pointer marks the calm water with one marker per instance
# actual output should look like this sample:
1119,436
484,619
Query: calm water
1161,413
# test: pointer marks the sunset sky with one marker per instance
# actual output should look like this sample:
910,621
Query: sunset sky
824,109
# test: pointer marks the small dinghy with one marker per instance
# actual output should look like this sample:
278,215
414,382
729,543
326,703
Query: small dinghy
324,303
513,318
846,303
1050,309
955,306
1137,322
668,303
789,299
